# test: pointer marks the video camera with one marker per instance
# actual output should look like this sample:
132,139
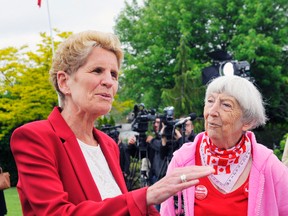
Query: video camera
168,119
112,131
141,118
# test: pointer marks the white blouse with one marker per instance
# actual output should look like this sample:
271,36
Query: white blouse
100,170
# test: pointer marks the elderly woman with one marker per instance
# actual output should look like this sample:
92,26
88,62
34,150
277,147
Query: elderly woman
249,179
65,165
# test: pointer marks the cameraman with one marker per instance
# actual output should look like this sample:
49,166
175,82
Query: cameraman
171,143
154,150
152,167
188,130
154,155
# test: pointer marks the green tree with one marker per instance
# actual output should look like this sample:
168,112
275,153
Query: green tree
26,94
166,43
150,56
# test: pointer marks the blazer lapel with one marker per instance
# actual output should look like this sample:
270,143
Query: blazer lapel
111,154
74,152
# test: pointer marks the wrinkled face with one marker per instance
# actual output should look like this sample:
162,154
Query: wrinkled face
94,85
223,120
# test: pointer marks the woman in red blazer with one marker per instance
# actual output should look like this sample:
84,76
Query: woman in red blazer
65,165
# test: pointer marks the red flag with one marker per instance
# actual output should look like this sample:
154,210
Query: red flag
39,3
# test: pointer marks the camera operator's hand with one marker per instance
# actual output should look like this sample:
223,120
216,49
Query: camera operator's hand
149,138
162,134
132,140
177,134
164,141
162,131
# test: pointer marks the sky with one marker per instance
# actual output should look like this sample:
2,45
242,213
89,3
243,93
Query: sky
21,21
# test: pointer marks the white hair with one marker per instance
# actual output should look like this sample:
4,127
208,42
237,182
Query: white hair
246,94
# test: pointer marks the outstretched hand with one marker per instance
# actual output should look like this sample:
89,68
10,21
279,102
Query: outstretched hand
179,179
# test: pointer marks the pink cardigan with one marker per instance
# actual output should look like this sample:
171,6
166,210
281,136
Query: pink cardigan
268,181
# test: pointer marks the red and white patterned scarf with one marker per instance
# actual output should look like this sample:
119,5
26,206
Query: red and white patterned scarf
228,163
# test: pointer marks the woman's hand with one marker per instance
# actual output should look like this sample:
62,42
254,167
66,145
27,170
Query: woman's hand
179,179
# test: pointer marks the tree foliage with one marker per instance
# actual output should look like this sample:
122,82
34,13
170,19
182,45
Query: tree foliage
164,40
25,91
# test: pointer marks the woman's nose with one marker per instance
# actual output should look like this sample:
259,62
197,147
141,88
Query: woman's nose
214,109
107,80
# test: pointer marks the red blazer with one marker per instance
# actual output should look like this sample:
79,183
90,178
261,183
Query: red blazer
54,179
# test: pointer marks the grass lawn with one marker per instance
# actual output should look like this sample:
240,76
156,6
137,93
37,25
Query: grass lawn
12,202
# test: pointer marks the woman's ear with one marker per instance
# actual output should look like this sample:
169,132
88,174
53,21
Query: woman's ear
62,80
247,126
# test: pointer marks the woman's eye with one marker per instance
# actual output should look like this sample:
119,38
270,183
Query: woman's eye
210,101
227,105
97,70
114,74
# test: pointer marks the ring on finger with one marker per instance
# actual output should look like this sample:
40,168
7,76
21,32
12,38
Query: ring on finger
183,178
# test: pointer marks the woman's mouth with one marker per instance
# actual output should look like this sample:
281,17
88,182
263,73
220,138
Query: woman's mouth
105,96
211,124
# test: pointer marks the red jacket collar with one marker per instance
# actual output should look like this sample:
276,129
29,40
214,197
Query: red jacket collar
70,143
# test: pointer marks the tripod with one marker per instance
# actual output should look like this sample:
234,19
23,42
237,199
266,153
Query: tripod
140,154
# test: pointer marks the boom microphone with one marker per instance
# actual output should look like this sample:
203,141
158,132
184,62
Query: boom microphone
192,117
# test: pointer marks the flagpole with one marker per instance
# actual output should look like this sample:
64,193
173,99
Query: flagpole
50,27
51,35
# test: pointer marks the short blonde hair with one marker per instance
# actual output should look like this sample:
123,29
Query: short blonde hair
73,52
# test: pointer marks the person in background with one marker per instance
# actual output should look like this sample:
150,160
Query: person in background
249,179
124,159
68,167
171,140
285,153
189,133
167,148
3,207
154,144
152,160
127,150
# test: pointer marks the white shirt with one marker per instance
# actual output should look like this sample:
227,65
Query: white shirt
100,170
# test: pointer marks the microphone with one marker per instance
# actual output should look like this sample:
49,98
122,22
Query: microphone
192,117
